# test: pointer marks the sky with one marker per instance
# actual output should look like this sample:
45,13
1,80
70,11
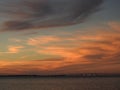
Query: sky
45,37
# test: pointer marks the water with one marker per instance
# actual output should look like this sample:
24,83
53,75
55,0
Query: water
59,83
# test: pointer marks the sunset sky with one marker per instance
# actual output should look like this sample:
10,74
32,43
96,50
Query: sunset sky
59,36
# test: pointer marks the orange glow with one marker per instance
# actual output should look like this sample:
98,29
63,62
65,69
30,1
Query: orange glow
98,52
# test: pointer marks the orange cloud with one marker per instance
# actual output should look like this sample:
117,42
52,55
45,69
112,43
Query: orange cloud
42,40
60,51
27,67
114,25
98,52
14,49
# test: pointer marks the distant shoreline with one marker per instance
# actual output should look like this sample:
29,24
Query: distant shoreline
64,76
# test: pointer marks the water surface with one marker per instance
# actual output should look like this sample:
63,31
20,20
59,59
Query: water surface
59,83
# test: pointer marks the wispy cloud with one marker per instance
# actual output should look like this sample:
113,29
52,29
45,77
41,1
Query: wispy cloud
29,67
15,40
14,49
100,44
98,51
36,41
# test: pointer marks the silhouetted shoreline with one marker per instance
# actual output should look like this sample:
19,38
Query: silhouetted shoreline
64,76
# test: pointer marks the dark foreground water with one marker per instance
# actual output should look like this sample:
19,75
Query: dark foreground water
59,83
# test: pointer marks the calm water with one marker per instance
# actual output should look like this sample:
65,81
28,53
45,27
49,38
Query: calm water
59,83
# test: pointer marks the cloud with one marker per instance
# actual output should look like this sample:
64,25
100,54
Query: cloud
28,14
95,46
115,25
29,67
15,40
14,49
94,56
17,25
96,52
36,41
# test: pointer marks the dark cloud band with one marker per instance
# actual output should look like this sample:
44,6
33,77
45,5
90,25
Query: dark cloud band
28,14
